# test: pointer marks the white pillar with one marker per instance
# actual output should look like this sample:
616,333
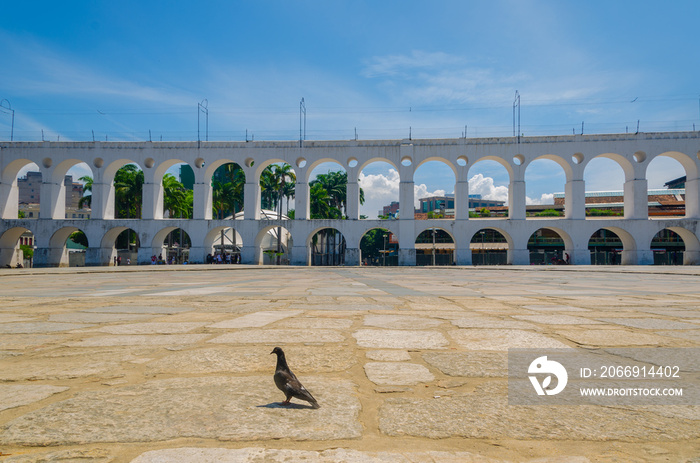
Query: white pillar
152,207
301,200
251,201
579,256
516,200
299,256
692,198
203,201
518,256
462,199
352,199
102,203
575,199
53,199
463,256
352,257
9,200
636,199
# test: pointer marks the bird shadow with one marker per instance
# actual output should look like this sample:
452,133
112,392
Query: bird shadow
286,407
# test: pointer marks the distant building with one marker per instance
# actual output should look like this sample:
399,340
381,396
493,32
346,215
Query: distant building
391,210
30,196
446,204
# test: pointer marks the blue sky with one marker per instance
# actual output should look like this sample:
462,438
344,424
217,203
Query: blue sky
120,69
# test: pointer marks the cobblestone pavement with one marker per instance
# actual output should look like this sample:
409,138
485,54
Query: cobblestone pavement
151,364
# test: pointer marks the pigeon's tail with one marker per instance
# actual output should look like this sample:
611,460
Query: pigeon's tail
314,404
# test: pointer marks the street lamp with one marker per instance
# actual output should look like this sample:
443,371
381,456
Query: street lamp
384,253
8,109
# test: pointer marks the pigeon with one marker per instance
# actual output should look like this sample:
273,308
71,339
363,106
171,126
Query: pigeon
288,383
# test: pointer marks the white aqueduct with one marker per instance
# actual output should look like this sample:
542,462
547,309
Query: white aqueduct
633,152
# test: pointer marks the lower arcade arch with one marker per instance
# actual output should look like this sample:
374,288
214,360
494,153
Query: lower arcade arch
606,246
490,246
17,246
379,247
327,247
547,246
171,245
668,248
120,246
223,245
67,248
435,246
273,246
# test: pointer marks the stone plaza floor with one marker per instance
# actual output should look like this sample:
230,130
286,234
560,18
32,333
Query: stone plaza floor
172,364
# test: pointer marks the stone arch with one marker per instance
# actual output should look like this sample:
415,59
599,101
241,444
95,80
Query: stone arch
508,166
479,241
548,159
563,163
266,244
450,199
611,254
110,195
394,177
440,249
232,243
545,247
9,191
374,252
624,163
309,169
9,246
326,246
483,203
58,254
690,166
441,159
108,245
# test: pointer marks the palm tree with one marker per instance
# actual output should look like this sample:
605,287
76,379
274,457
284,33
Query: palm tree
282,175
174,197
128,191
87,186
336,184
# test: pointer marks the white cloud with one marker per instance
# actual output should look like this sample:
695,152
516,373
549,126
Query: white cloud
546,198
380,190
484,186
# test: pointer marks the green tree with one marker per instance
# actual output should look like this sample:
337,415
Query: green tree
128,191
87,186
282,175
175,197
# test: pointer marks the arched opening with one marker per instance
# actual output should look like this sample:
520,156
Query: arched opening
605,247
128,192
605,179
546,247
277,184
274,246
175,246
328,184
668,248
223,245
435,246
178,191
380,182
67,248
489,247
228,185
488,189
379,247
328,247
126,246
17,247
434,191
27,180
666,187
545,178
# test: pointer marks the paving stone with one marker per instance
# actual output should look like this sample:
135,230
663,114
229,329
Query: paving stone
140,309
253,359
152,328
400,322
281,337
10,317
557,319
18,395
92,455
39,327
491,322
256,320
478,364
254,455
554,308
498,339
313,323
400,339
67,365
612,338
691,335
388,355
140,340
83,317
651,323
397,373
28,341
486,414
223,408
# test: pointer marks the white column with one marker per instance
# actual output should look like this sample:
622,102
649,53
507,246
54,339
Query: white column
462,199
301,200
692,198
251,201
575,200
636,199
53,199
516,200
352,199
102,203
152,207
9,200
202,201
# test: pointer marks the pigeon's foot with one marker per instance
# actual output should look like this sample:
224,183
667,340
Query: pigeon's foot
285,403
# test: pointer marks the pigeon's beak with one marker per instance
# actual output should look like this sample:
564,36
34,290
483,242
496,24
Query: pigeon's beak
272,352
